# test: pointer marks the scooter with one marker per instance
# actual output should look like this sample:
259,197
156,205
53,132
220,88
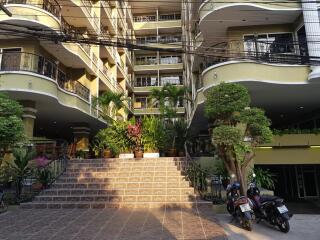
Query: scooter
240,207
269,208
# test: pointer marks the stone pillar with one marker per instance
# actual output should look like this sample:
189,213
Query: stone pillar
312,27
81,134
28,117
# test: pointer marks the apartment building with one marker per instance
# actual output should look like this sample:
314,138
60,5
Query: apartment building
157,25
56,81
273,50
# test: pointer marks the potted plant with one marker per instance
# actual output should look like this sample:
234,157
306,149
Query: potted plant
100,145
134,133
153,136
118,140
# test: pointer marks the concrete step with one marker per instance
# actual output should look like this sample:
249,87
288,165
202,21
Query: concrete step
102,178
110,166
116,198
132,191
174,174
121,169
119,185
129,160
72,205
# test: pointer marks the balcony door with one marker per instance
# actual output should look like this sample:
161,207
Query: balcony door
11,59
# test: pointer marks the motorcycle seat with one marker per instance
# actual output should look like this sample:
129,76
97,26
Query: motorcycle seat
266,198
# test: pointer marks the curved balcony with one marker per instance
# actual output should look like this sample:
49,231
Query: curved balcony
256,61
46,15
27,72
217,17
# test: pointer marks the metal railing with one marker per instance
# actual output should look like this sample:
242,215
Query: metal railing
51,6
260,51
29,62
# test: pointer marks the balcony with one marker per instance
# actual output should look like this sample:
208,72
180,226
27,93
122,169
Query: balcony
43,12
228,14
269,62
44,69
152,63
164,21
154,111
145,84
290,149
86,10
168,41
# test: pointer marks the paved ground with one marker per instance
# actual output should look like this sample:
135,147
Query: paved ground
302,227
96,224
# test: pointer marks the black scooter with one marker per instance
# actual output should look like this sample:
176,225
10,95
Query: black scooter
269,208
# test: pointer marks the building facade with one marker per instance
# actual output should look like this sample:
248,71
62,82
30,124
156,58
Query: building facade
56,80
273,50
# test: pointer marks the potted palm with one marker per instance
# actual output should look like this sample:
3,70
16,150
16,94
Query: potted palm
153,136
100,145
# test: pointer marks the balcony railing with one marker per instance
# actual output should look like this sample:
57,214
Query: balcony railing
51,6
29,62
159,39
161,17
261,51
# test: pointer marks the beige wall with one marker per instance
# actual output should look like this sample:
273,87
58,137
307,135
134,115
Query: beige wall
233,72
288,156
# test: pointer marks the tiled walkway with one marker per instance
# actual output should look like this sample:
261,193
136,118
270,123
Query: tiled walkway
95,224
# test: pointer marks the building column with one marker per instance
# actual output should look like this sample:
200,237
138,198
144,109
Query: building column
81,134
312,28
28,117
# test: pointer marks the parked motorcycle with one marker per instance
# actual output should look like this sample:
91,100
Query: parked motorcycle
240,207
269,208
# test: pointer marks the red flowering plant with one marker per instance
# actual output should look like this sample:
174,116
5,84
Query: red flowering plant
135,133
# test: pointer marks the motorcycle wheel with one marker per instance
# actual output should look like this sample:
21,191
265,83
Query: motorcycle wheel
229,209
284,226
247,224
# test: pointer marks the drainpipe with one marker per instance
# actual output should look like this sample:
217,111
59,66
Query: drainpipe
312,27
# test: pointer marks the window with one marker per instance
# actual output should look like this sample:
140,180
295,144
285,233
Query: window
11,59
174,80
268,43
145,81
146,60
170,59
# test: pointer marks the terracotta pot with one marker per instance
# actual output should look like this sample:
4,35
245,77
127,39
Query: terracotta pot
172,152
37,186
107,153
181,154
138,154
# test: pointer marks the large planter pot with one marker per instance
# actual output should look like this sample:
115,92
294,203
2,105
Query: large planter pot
181,154
151,155
138,154
172,152
37,186
107,153
126,155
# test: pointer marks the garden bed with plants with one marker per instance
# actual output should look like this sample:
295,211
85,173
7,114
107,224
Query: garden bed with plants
148,137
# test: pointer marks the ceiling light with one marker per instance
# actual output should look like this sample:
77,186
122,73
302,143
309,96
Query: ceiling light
301,107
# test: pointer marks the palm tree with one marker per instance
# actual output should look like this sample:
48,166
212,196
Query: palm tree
110,101
160,96
168,97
